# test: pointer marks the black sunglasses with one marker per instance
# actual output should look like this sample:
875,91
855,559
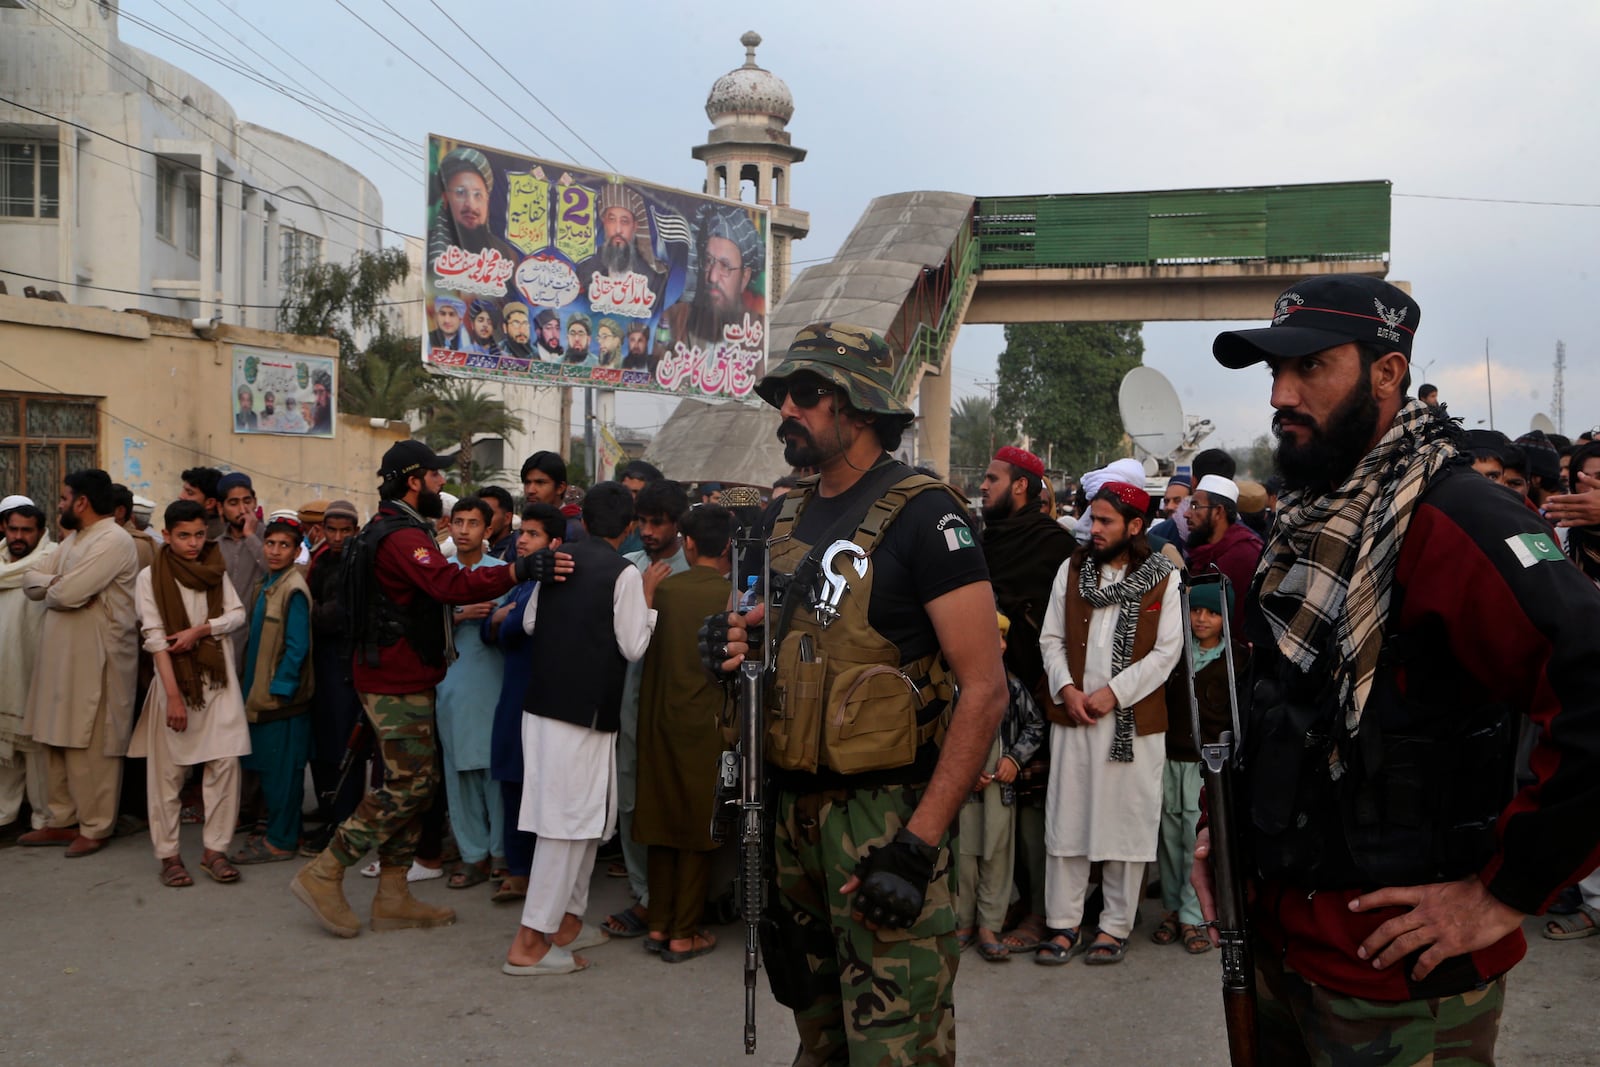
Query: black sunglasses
805,394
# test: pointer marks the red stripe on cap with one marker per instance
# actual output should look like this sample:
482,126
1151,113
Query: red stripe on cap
1352,315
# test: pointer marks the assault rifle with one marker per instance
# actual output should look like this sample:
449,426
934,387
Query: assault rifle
1220,761
741,805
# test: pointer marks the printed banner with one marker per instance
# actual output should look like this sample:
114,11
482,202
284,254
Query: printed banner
283,392
546,273
611,453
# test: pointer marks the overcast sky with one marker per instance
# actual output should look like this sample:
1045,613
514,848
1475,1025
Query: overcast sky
1020,98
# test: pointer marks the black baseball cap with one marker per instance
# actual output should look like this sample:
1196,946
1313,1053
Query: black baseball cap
408,457
1321,313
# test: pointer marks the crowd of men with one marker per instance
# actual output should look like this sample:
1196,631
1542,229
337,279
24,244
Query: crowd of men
1409,611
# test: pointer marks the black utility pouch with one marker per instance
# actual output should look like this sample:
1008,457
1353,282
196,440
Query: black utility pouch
785,945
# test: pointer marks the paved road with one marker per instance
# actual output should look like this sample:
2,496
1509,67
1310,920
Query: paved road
99,964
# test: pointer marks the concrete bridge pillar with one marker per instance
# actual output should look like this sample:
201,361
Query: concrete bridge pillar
933,428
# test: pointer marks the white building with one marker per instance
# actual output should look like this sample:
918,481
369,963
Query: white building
119,171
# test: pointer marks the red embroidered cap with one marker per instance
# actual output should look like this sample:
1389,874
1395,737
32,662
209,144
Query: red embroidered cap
1021,458
1130,495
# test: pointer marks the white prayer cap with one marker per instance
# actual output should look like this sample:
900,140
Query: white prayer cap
13,502
1217,485
1123,470
284,513
450,500
143,506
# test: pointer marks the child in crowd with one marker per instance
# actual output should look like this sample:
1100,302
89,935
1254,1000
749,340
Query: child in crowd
193,711
542,527
988,823
465,711
1180,784
278,683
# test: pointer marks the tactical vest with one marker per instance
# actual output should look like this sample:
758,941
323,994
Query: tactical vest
1150,711
841,700
376,620
260,705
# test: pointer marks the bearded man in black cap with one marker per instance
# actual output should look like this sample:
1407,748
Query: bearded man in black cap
400,632
547,336
1405,617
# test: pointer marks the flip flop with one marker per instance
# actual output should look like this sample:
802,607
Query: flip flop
626,923
1585,922
557,961
588,937
994,951
507,892
467,875
690,953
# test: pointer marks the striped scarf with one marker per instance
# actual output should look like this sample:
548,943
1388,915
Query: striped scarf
1126,595
1327,573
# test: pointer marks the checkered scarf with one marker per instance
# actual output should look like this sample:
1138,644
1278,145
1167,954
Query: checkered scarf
1327,573
1125,595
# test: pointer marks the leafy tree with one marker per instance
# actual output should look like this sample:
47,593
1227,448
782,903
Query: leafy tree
462,409
344,300
387,381
1058,384
1255,462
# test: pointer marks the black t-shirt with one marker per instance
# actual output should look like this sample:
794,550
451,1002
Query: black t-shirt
928,550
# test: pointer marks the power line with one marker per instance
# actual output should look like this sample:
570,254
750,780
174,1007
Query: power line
144,83
468,72
205,173
340,121
167,296
1497,200
423,67
534,97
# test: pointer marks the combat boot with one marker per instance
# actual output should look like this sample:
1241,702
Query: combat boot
394,908
320,887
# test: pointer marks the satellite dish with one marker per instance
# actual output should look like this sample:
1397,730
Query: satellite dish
1543,423
1152,414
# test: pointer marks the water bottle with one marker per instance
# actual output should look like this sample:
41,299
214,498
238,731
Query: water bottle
750,597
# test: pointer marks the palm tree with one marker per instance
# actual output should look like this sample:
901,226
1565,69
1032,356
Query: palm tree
387,381
972,433
461,411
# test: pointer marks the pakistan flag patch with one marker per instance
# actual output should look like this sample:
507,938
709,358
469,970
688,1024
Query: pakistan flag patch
1531,548
957,537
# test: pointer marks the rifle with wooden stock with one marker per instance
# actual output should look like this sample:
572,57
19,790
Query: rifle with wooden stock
1220,761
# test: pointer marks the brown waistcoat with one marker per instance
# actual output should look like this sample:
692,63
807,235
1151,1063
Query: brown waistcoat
1150,713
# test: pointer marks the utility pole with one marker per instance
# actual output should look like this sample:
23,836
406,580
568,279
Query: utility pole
1488,378
1558,395
991,386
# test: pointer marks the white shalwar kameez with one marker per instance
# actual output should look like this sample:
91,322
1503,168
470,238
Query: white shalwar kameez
1097,809
569,784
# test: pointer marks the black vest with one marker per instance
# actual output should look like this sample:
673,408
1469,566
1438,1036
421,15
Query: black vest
576,668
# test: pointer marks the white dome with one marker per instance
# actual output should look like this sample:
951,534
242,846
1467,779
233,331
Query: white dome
750,89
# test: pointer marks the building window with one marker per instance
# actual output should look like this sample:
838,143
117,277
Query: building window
43,438
30,179
191,215
166,196
300,252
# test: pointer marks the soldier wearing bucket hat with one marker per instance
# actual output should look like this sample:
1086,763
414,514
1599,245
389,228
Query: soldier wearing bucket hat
1408,620
900,613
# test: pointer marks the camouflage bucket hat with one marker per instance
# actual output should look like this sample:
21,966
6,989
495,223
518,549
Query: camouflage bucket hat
854,358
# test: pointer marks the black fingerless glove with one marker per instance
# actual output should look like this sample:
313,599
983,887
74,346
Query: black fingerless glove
539,567
714,644
894,881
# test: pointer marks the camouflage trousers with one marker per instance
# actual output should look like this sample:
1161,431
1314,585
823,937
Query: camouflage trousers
389,818
1303,1025
886,997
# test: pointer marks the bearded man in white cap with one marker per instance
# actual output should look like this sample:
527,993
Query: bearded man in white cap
27,541
1218,539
